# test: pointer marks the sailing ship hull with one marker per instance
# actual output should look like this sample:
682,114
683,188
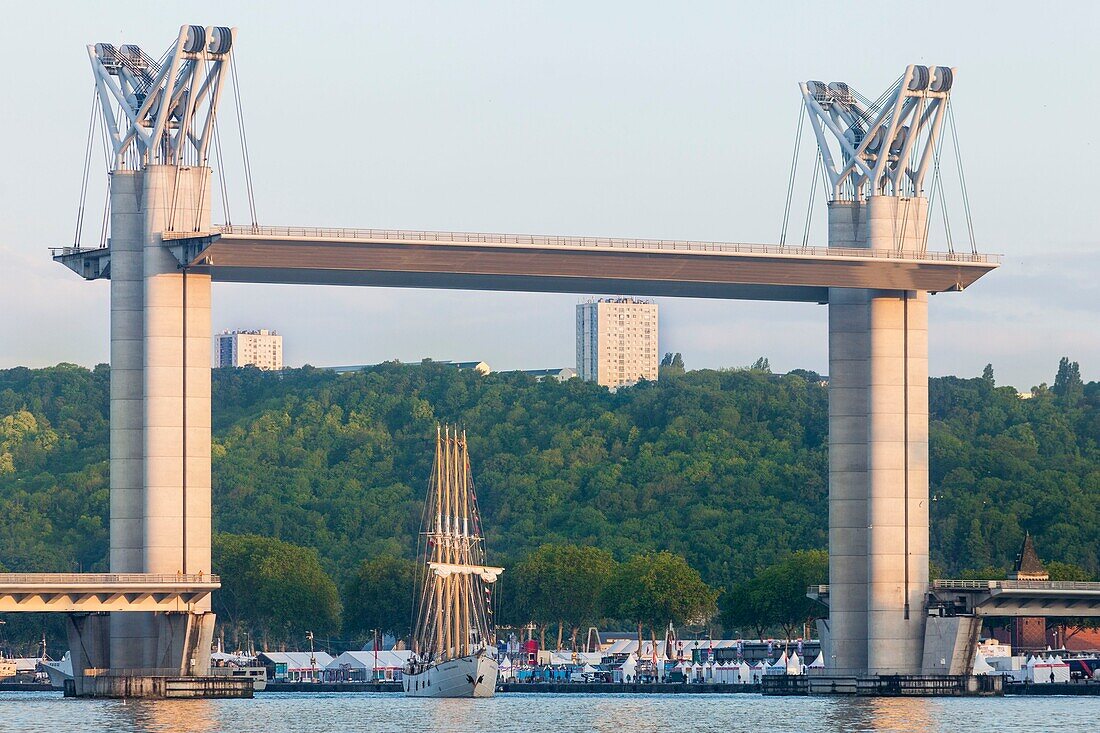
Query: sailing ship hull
471,676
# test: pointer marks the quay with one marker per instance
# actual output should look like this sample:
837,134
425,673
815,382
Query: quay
663,688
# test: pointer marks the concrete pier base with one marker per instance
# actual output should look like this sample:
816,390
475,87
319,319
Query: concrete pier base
158,687
180,643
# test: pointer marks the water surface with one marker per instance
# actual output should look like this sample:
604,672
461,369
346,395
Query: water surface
536,713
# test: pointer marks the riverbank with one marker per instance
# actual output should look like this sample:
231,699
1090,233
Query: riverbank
558,688
1055,688
331,687
667,688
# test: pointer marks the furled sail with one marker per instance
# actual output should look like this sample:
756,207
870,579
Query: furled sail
454,616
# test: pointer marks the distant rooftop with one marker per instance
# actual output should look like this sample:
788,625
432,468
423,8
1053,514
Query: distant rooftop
478,366
629,300
253,332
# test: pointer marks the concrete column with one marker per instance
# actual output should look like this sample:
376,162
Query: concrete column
897,452
127,365
177,379
878,450
160,402
848,378
127,631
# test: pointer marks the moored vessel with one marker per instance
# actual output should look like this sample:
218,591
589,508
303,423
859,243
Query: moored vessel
454,641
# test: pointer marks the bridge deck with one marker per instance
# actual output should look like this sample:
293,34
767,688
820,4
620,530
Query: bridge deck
1031,598
520,262
100,592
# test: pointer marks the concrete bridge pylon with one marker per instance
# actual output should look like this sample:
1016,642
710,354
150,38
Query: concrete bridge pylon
875,156
160,183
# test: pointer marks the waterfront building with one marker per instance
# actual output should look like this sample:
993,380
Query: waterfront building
261,348
1029,633
617,341
295,666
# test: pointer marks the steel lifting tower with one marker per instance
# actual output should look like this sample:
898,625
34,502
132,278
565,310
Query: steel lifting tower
876,156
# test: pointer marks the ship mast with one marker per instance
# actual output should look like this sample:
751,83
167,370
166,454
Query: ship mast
453,618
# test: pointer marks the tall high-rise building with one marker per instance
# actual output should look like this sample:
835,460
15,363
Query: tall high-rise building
617,341
262,349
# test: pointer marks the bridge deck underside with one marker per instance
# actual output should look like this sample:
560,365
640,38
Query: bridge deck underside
696,273
1030,603
237,258
98,593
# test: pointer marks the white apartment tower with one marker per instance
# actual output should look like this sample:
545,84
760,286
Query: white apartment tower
617,341
262,349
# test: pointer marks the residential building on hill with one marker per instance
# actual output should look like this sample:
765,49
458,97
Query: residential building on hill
617,341
261,348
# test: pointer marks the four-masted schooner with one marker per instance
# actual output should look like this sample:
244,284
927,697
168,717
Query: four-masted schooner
453,648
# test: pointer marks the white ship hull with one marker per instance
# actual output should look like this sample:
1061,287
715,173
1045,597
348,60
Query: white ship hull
59,671
472,676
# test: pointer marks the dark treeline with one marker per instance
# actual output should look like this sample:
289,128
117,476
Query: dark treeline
727,469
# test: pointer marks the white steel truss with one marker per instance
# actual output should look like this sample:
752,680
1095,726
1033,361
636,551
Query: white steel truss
883,147
162,112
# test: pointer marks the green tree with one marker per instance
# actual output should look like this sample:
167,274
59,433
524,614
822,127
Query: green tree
987,375
1067,382
657,589
380,597
274,589
761,365
565,584
776,597
1067,571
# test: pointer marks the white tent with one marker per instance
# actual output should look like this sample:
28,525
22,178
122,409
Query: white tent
1049,669
367,666
505,668
627,671
744,673
818,663
794,664
981,666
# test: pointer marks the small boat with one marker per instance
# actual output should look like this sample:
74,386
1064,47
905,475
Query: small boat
239,665
58,670
454,644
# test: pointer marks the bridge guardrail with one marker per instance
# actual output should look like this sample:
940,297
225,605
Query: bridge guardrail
405,235
822,590
1014,585
106,578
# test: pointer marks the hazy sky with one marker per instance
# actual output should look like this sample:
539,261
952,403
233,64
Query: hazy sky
668,120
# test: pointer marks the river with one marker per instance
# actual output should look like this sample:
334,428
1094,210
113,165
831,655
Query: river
535,713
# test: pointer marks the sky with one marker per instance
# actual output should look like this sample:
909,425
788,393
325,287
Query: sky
672,120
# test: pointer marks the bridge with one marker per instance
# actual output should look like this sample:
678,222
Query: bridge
104,592
164,253
540,263
1004,598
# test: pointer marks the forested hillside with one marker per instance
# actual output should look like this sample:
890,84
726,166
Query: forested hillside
726,468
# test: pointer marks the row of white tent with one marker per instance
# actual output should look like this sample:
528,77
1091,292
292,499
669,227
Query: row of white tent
1037,669
742,673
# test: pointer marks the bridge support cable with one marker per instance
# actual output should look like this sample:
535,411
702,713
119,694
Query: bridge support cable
962,180
936,191
244,143
221,173
794,172
87,168
818,166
